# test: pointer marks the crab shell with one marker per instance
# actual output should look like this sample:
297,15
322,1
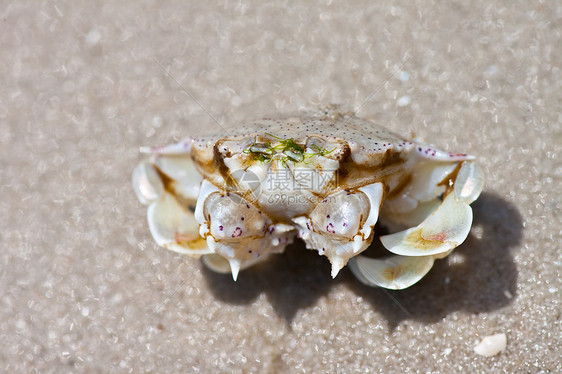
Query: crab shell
237,198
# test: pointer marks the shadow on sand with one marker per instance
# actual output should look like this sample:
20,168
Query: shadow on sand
479,276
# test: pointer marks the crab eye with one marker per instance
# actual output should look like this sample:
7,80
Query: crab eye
294,156
261,148
260,151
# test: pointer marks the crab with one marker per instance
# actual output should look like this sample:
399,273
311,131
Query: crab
236,198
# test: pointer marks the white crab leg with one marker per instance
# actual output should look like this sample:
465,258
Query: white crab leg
393,272
442,231
174,227
147,183
426,180
425,186
216,263
469,182
185,180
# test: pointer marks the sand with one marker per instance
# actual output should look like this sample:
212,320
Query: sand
86,83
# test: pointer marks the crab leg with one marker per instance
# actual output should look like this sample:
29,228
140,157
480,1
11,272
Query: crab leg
234,256
171,223
425,185
448,226
398,221
147,183
442,231
174,227
182,176
435,237
469,182
393,272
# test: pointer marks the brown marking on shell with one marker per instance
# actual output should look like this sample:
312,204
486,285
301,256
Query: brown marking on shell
170,187
449,180
208,164
166,181
352,174
205,165
402,184
221,166
346,164
390,158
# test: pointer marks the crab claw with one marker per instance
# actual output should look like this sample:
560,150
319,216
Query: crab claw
341,226
392,272
237,232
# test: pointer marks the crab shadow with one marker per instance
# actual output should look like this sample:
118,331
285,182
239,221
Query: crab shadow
291,281
480,276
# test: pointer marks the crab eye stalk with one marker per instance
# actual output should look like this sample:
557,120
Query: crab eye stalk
260,151
294,156
261,148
